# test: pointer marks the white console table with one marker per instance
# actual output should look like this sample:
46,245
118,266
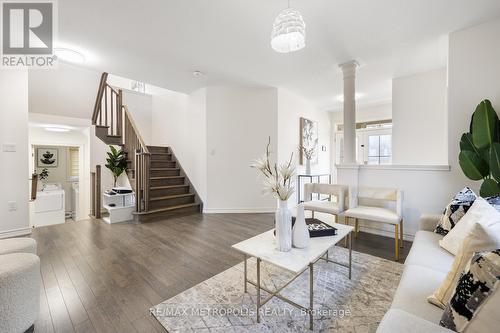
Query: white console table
124,206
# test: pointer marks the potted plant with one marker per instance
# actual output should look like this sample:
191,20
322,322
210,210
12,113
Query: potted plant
44,174
479,155
116,162
279,182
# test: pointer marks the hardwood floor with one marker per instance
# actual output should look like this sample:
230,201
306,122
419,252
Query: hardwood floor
104,278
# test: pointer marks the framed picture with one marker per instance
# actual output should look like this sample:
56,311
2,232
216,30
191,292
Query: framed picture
47,157
308,138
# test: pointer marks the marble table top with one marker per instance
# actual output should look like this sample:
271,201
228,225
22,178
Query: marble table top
263,246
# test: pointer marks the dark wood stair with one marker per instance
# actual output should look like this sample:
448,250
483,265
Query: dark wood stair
170,192
102,132
162,188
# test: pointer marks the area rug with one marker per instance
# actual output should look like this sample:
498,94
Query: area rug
219,304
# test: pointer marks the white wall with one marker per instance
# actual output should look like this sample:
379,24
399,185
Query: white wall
140,107
239,121
290,109
474,75
14,165
379,111
179,121
419,117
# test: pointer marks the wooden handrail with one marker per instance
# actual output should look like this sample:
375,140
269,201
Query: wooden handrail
136,131
98,101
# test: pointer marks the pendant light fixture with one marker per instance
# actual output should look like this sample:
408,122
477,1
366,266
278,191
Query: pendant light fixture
289,31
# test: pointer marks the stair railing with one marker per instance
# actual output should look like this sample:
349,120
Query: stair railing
133,142
108,107
109,111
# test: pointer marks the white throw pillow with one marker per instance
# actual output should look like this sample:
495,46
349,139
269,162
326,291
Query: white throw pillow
477,240
480,212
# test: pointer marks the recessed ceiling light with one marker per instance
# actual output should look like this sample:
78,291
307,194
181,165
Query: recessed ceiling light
57,128
69,55
357,96
198,74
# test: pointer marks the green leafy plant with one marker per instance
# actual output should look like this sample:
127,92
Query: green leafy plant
116,162
480,149
44,174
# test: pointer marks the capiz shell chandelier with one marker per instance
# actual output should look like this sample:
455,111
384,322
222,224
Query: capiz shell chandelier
289,31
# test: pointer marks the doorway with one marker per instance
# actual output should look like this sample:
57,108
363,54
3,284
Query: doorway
61,159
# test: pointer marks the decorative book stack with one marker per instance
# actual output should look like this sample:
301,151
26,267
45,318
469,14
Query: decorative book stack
318,228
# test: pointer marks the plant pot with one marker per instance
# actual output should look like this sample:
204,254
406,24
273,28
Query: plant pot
308,167
283,221
300,234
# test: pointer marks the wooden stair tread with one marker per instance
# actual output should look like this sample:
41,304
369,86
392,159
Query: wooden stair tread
166,187
154,153
163,169
165,177
167,209
173,196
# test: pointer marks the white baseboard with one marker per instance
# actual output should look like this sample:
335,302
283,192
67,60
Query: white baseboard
15,232
239,210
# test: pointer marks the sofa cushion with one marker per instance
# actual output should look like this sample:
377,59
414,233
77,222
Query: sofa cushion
481,212
455,210
426,252
411,296
396,320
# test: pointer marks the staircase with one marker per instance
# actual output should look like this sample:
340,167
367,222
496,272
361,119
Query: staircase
162,187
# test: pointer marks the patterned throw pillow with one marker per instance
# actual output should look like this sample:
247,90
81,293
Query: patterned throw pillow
479,281
455,210
494,201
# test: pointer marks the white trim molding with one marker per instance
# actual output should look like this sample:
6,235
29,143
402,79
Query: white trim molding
239,210
348,166
15,233
407,167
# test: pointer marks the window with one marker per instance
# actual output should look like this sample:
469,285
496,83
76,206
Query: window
379,149
73,164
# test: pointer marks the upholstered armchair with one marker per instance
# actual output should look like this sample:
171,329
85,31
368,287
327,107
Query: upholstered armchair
371,209
324,206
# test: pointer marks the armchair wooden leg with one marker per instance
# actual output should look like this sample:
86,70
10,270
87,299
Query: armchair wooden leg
312,212
401,245
396,241
356,228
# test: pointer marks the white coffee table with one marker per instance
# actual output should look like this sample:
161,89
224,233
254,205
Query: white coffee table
263,248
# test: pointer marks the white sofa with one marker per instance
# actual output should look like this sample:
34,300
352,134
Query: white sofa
425,268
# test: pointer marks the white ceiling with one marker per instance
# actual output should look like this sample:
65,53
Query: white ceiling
163,41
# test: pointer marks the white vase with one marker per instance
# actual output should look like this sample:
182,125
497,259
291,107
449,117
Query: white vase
300,234
283,225
308,167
